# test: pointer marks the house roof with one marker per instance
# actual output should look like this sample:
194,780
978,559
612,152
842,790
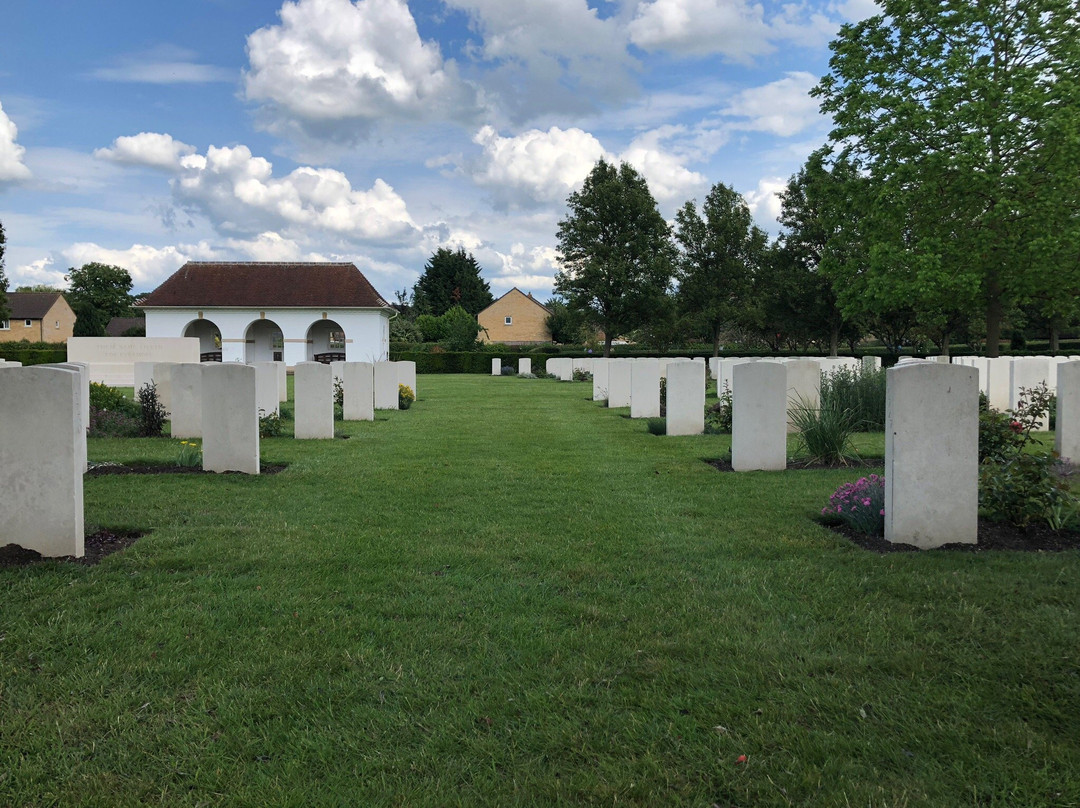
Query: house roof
31,305
526,296
118,325
266,285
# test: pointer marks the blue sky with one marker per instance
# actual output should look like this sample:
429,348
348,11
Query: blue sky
375,131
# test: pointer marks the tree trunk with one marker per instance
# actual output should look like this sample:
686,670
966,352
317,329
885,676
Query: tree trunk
993,327
607,346
945,344
1055,343
834,339
716,341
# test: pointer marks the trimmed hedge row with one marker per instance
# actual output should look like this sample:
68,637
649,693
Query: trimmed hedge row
30,354
465,361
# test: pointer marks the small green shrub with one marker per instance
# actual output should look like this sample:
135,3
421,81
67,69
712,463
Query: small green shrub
152,413
339,393
663,396
859,505
103,397
582,375
405,396
824,434
718,415
112,424
270,425
656,426
1000,435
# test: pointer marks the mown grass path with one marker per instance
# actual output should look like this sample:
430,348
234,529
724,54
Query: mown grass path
508,595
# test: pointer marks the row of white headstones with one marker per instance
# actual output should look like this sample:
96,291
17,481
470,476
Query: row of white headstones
45,413
931,420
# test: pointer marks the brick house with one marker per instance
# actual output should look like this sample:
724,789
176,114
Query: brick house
515,319
37,317
252,311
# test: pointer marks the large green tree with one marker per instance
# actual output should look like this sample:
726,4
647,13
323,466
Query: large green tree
616,251
97,293
5,312
964,115
451,278
720,253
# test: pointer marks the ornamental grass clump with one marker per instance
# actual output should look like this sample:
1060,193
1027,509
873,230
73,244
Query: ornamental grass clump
189,455
859,505
860,391
824,433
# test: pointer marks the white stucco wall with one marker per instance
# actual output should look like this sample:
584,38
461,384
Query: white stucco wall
367,331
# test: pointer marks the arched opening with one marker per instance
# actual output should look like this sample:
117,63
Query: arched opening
326,342
209,336
264,342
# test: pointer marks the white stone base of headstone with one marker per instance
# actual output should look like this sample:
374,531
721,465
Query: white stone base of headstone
759,417
931,463
41,462
685,398
230,418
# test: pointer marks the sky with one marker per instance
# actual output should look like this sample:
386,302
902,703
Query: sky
148,134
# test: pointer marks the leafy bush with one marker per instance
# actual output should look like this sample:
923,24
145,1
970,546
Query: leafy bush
405,396
103,397
430,327
663,395
507,370
859,505
656,426
582,375
824,434
112,424
339,393
152,413
270,425
861,392
1016,485
718,415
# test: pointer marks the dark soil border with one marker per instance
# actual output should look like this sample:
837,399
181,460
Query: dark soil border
96,546
107,471
991,536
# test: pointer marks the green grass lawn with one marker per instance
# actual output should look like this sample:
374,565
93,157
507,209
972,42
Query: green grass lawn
509,595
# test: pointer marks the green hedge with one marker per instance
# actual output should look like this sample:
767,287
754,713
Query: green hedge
33,353
465,361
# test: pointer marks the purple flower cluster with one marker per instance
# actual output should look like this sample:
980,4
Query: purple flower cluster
860,505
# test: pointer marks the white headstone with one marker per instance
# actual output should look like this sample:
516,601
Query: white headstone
600,379
187,413
759,417
524,365
685,398
645,388
584,364
337,370
1067,424
283,382
999,381
268,399
144,375
407,376
162,377
804,385
619,382
1027,372
230,418
41,462
358,399
931,463
313,393
496,367
386,386
871,363
84,402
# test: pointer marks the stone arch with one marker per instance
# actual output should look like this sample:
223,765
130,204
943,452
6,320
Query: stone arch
209,336
325,341
264,341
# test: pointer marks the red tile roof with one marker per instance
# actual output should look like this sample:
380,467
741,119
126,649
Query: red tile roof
266,285
30,305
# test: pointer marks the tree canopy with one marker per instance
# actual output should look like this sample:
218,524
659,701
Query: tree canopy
97,293
720,253
965,118
451,278
615,250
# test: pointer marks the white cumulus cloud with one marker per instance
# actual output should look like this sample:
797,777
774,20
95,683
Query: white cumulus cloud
669,180
764,201
535,166
239,194
335,68
12,169
782,107
151,149
164,64
734,28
